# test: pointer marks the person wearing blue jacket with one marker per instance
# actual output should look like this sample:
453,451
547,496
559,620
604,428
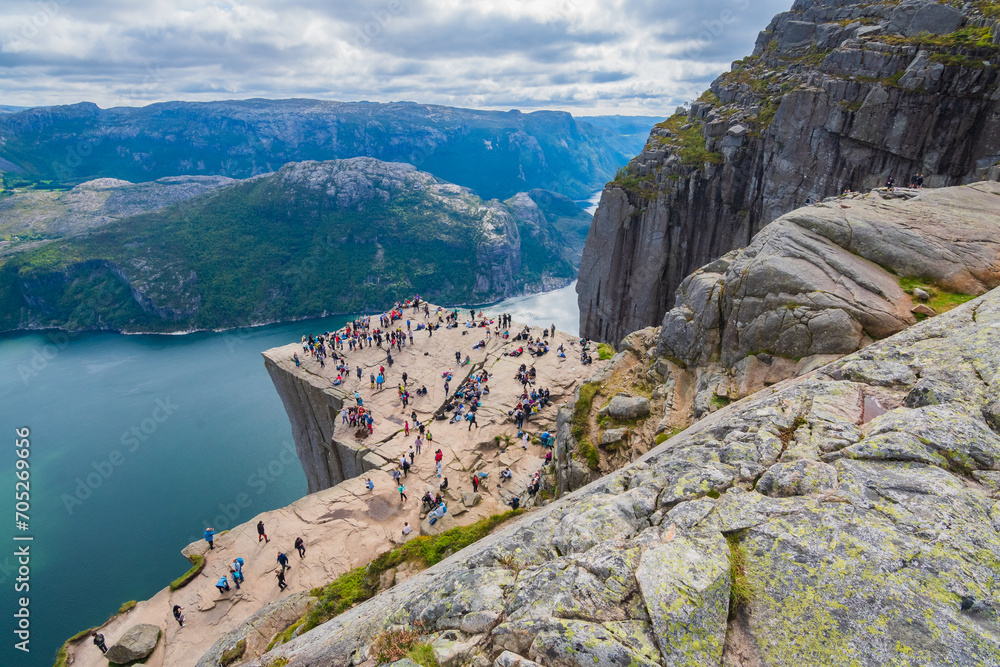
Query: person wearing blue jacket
210,537
283,561
222,584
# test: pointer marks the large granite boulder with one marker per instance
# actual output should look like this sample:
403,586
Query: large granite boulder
794,528
626,407
137,643
825,279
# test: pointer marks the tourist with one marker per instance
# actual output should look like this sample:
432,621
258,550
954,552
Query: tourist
236,577
222,584
300,545
472,420
210,537
505,474
178,616
475,483
238,566
281,580
404,378
438,467
295,357
406,428
418,442
283,560
261,535
406,528
524,440
402,492
99,641
369,484
444,484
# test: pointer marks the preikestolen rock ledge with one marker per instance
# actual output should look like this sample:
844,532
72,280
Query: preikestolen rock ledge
846,517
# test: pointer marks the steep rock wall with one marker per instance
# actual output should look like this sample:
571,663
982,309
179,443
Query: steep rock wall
312,408
834,97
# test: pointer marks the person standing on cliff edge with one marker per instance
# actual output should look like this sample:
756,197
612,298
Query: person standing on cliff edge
261,535
210,537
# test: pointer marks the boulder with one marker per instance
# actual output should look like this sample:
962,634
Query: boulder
613,435
470,499
137,643
508,659
685,585
626,407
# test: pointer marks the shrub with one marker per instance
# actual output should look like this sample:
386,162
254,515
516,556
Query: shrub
605,351
233,654
359,584
740,590
197,565
127,607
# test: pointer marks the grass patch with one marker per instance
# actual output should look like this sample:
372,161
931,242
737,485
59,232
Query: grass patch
285,635
740,590
605,351
63,656
393,645
278,662
233,654
581,424
666,435
197,565
941,300
423,655
359,584
721,401
127,607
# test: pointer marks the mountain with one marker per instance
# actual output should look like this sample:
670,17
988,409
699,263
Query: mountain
309,239
495,153
30,216
836,96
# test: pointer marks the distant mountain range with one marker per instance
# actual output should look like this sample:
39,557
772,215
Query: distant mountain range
495,153
311,238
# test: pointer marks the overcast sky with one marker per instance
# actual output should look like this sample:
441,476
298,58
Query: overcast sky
582,56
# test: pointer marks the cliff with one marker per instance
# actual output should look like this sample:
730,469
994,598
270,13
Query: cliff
836,96
846,517
310,239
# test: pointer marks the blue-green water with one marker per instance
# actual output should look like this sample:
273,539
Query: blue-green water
137,443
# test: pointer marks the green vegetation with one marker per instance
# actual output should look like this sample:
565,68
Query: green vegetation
361,583
197,564
740,590
63,656
393,645
941,300
285,635
423,655
605,351
233,654
721,401
581,424
278,662
127,607
264,250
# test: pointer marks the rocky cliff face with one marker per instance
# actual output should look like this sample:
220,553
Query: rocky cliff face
848,517
836,96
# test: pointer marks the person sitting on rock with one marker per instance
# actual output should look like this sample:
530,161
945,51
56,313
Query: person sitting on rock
505,474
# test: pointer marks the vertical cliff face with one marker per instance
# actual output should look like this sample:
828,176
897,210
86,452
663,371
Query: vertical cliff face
312,405
835,96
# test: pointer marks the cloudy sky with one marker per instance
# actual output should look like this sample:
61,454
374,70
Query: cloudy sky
583,56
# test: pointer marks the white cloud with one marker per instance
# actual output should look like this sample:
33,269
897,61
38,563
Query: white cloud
585,56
